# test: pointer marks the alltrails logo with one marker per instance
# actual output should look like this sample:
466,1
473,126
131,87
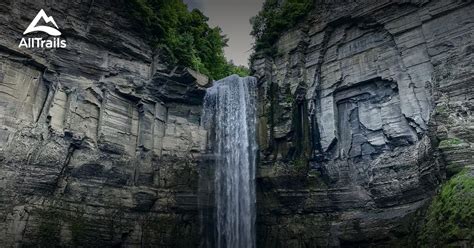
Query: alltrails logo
55,42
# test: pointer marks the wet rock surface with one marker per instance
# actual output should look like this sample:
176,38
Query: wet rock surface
100,141
362,112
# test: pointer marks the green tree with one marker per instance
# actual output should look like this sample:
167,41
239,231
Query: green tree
238,69
185,34
276,17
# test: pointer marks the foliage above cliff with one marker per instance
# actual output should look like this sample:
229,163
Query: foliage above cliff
185,35
276,17
450,217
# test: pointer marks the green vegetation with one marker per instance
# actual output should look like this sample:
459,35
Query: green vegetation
447,146
450,217
276,17
449,142
185,36
442,110
238,69
300,165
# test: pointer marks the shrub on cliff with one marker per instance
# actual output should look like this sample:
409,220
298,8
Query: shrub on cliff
185,34
450,217
276,17
238,69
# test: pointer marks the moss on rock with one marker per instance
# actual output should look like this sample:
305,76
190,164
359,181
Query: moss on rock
450,217
450,142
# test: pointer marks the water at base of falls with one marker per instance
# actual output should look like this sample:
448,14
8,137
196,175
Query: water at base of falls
230,118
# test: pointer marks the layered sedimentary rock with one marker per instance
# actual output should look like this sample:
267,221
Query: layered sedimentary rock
363,109
99,141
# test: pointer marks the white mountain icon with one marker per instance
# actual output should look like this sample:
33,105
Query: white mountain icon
49,30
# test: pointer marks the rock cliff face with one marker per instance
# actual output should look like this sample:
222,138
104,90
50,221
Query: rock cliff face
375,98
99,142
365,109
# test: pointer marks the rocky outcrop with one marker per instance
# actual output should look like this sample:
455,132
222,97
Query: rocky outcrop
99,141
352,110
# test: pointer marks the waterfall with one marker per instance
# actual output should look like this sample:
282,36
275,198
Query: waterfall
229,117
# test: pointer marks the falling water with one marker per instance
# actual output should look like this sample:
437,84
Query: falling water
229,115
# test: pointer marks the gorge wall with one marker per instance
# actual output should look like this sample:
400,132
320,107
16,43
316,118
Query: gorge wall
365,107
363,111
100,141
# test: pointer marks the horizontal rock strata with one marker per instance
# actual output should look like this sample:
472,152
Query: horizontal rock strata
362,92
99,141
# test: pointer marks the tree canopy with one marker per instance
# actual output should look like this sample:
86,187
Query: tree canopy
185,35
276,17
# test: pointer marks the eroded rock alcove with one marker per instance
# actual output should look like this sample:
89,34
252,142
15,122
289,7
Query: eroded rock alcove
355,92
369,120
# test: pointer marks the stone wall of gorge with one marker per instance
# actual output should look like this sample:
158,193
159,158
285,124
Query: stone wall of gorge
99,141
365,108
